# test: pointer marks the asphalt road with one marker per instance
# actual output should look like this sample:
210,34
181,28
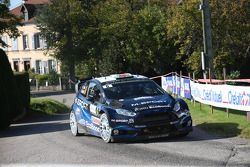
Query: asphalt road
47,140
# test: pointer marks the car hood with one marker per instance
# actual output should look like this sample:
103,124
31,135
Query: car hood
147,103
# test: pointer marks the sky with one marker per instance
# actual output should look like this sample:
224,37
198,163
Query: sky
14,3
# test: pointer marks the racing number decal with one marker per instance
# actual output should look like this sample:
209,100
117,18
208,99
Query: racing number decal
93,109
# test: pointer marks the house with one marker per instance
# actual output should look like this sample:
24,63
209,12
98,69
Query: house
29,50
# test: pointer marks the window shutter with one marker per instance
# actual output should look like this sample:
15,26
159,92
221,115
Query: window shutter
33,41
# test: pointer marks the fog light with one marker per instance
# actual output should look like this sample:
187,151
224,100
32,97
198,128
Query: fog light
116,132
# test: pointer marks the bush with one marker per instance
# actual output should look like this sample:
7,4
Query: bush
48,106
53,78
42,79
23,88
10,99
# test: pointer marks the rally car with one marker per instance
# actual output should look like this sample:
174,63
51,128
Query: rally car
125,106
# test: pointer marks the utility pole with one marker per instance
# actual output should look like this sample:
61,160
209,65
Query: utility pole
207,55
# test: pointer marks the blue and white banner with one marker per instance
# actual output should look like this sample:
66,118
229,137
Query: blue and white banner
225,96
177,85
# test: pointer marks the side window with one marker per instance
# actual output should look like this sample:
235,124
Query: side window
91,90
84,89
94,92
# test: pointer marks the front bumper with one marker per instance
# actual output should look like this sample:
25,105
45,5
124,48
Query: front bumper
128,132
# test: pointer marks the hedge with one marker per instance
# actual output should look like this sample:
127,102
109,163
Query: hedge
14,92
23,86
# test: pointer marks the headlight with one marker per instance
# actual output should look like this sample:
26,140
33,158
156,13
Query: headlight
177,107
125,112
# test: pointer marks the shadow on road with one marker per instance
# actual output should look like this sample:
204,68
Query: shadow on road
199,135
38,125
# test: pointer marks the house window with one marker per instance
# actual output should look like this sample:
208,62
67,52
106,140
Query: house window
26,65
4,39
39,66
36,41
52,65
14,44
25,42
16,65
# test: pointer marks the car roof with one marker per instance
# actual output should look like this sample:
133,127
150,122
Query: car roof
120,77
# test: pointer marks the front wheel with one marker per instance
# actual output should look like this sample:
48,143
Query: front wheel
73,124
105,129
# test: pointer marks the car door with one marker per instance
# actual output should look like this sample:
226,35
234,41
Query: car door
82,106
94,97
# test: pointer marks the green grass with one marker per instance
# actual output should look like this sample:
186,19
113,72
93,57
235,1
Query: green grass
47,106
219,123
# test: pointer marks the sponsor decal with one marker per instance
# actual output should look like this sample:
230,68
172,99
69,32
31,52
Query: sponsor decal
158,106
89,125
119,120
92,127
96,120
158,136
141,108
144,97
148,102
81,103
93,109
151,107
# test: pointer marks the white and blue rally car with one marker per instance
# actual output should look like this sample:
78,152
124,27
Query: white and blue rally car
124,106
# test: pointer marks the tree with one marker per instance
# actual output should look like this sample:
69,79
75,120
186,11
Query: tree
8,22
62,24
148,48
230,31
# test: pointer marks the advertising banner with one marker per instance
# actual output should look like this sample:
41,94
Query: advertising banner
177,85
225,96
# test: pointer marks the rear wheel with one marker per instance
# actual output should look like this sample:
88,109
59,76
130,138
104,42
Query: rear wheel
73,124
105,129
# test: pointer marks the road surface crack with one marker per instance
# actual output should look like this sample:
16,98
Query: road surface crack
232,154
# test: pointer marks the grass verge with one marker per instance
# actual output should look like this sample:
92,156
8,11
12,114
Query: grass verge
48,106
219,123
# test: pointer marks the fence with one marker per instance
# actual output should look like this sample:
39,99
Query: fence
62,84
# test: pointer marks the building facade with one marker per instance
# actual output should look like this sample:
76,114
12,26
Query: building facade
29,50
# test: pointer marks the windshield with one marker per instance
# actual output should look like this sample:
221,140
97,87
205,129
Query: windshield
131,89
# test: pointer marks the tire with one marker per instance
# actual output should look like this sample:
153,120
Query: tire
105,129
73,124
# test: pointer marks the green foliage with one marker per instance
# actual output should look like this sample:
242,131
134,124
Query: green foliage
148,48
146,37
218,123
8,22
86,69
23,86
234,75
10,99
48,106
62,25
53,78
230,31
42,78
